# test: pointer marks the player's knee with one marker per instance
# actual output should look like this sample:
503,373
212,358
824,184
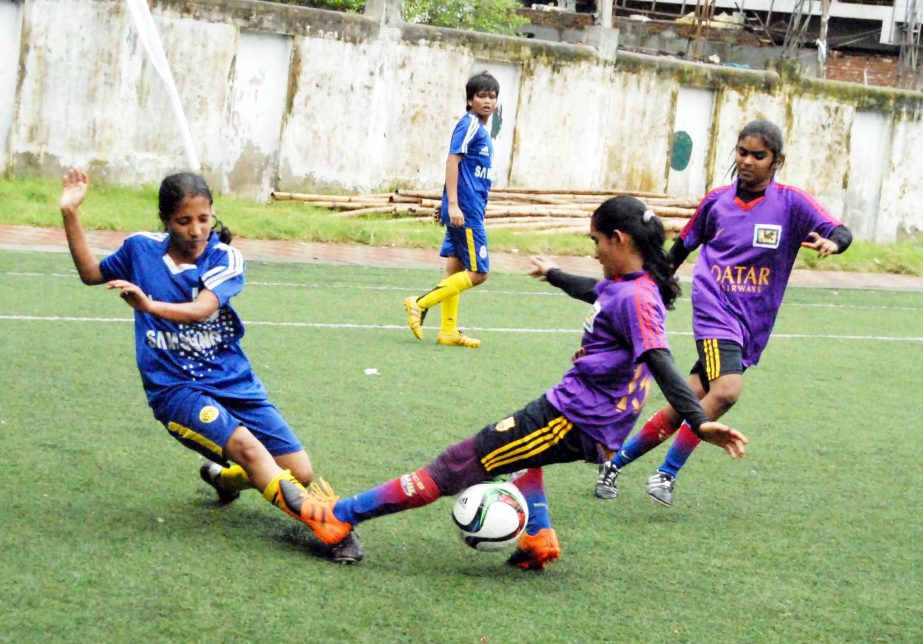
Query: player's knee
478,278
304,474
244,449
725,394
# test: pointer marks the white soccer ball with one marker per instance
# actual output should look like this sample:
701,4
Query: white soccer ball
490,516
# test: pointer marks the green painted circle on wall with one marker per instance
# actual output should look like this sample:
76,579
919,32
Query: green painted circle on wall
682,150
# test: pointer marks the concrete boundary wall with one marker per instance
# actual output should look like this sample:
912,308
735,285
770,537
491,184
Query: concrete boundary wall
295,99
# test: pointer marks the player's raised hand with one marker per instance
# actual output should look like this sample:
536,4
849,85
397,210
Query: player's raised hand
75,183
133,295
822,245
541,266
728,438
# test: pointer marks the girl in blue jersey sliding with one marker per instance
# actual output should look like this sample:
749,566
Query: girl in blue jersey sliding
198,381
592,409
464,204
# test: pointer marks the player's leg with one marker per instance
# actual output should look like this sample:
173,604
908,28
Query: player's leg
720,370
267,424
332,518
274,433
538,546
204,425
495,450
655,431
535,436
416,307
471,265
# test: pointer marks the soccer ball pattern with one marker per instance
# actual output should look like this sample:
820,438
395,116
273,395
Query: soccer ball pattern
490,516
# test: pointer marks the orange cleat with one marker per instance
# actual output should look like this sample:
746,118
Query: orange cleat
315,508
534,552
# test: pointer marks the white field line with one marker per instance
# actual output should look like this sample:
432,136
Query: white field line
402,327
490,291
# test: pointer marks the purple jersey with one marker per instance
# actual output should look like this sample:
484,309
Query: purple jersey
605,390
748,250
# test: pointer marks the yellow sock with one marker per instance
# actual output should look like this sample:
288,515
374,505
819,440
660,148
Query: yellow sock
452,285
449,311
274,495
234,479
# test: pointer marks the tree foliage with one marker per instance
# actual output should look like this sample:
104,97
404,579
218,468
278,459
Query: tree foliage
490,16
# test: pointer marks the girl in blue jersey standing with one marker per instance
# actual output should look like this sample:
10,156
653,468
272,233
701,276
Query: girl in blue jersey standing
464,203
596,403
198,381
749,233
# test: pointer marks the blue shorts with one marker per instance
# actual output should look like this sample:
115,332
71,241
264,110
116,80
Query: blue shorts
204,424
469,245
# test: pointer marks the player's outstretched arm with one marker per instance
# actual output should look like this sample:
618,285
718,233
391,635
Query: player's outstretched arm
577,286
75,183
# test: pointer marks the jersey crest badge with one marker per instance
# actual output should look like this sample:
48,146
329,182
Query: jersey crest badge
505,425
208,414
767,235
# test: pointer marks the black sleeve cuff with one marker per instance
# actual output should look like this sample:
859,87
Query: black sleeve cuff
841,237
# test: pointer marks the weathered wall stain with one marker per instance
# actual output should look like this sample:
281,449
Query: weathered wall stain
364,106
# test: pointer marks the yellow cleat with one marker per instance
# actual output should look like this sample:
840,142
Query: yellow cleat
457,339
415,316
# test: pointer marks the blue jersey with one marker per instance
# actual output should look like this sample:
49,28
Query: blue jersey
471,140
205,356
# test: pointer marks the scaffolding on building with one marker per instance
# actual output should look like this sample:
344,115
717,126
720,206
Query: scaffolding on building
909,40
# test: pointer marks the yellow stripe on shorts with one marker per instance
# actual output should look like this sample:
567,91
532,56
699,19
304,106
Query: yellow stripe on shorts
529,445
472,252
186,434
713,360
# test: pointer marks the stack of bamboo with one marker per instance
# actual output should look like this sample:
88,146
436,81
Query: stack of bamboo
513,208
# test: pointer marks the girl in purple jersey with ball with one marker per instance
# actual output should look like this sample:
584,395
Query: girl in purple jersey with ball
749,233
596,403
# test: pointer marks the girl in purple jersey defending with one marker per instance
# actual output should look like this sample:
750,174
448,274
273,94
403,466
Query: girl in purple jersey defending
198,381
749,233
596,403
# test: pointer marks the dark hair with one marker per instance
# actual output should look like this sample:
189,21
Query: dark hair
628,215
772,138
769,132
183,185
480,82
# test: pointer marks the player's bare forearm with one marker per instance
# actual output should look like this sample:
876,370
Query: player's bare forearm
75,183
199,310
456,216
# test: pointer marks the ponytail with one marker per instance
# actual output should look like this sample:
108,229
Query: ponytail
632,217
224,233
